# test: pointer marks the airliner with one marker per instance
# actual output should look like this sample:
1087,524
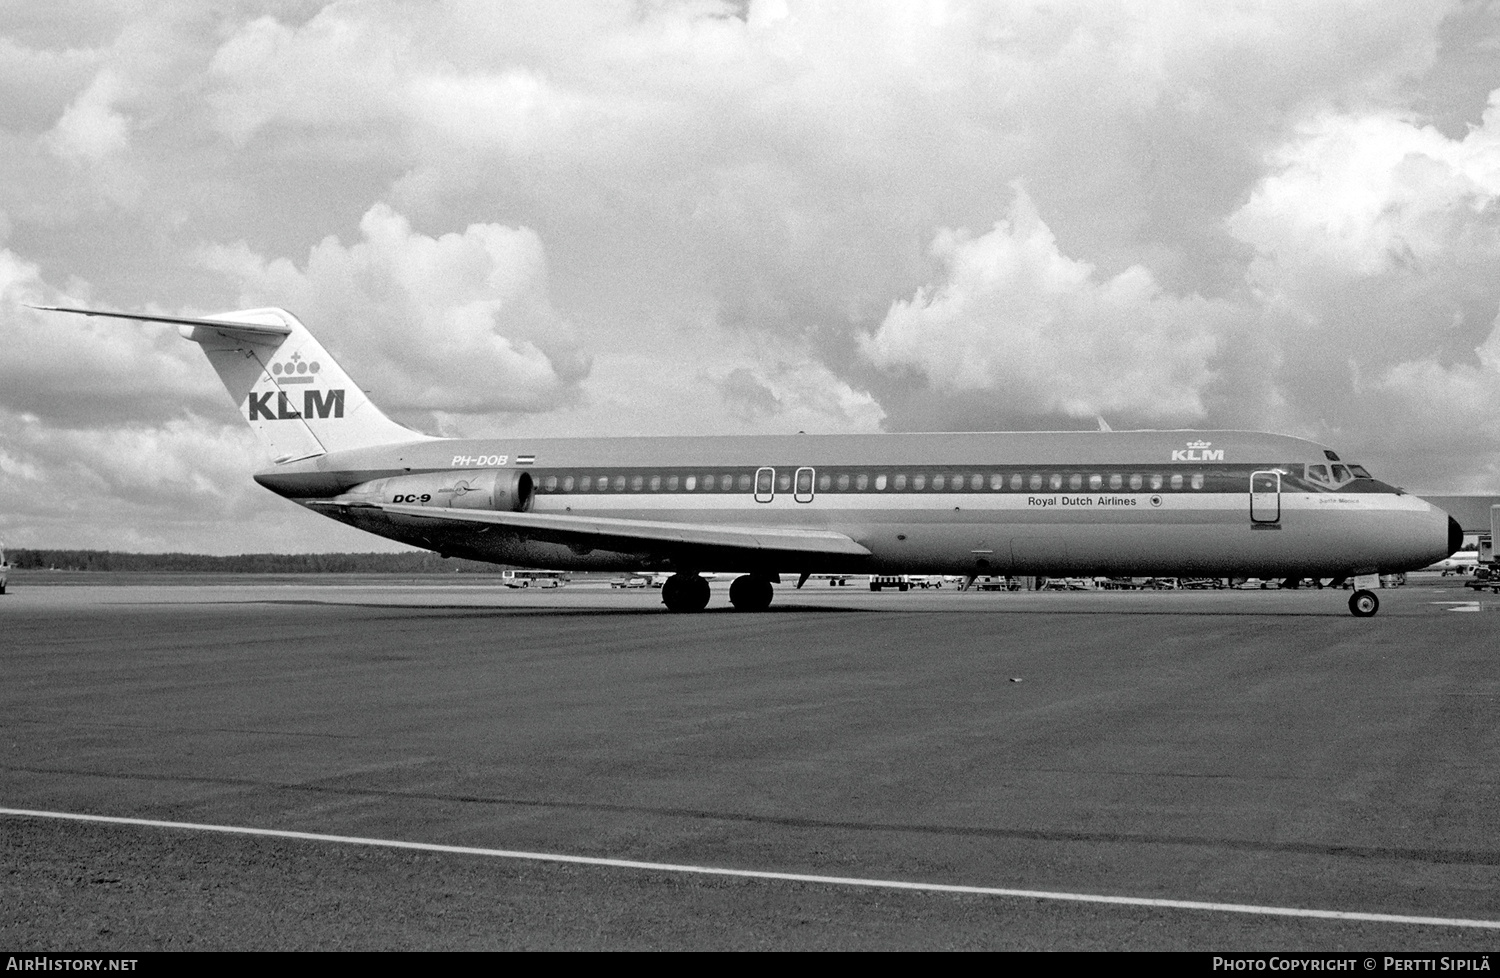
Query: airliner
1105,503
1461,562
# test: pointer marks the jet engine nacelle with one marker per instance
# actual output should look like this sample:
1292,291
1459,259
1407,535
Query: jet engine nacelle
481,489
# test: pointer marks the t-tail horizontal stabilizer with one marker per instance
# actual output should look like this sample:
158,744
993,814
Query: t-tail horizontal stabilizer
296,397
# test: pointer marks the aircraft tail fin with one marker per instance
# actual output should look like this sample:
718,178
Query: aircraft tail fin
296,397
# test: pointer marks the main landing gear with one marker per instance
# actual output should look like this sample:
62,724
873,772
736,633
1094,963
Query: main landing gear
689,592
685,592
751,593
1363,604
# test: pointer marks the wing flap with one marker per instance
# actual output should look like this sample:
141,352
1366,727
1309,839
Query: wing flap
609,533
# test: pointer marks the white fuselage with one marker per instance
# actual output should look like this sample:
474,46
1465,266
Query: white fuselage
1118,503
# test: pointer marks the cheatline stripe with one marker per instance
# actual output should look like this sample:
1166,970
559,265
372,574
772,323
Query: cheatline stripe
550,857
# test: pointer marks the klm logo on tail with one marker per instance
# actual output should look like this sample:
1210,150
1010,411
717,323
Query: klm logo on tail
315,404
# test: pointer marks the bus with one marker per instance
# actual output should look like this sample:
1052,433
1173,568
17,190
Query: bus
534,578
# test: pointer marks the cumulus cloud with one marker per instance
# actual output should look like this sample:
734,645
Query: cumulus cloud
178,485
1376,237
91,373
1017,319
460,323
91,128
774,215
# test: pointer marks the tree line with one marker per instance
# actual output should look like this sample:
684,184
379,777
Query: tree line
421,562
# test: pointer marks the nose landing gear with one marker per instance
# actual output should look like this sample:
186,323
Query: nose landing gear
1363,604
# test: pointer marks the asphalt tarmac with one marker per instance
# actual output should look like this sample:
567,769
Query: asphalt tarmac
1239,758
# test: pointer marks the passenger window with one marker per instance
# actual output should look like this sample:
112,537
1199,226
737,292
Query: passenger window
784,481
1197,480
1055,482
919,482
1096,482
844,482
672,483
549,484
586,483
880,482
744,482
1015,481
1156,481
1036,482
1176,480
862,482
708,482
825,482
656,483
1075,482
1116,481
690,483
937,482
900,481
997,482
637,483
1135,480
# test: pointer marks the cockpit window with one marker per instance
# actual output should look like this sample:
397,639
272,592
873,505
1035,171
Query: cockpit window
1334,476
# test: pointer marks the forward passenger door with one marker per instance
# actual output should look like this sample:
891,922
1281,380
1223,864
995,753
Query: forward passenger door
1265,498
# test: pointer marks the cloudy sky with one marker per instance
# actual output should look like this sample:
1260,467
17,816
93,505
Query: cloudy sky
694,216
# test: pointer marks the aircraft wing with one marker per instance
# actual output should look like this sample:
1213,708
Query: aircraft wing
625,535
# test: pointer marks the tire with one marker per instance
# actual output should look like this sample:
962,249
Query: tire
874,587
751,593
685,592
1363,604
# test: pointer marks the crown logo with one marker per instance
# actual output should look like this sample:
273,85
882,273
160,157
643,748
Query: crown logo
1199,444
295,365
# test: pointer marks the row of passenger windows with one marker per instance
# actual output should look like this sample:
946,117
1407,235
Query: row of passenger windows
803,481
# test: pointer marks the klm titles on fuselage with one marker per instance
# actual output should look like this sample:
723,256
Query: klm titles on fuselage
315,404
1198,451
1081,501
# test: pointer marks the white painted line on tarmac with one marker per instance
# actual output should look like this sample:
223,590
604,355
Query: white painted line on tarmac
549,857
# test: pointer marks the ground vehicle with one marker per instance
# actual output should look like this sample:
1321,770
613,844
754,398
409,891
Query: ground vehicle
900,582
633,580
997,584
533,578
4,570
